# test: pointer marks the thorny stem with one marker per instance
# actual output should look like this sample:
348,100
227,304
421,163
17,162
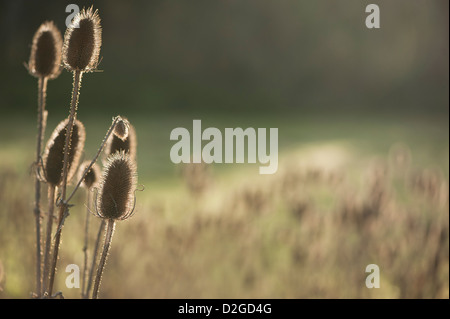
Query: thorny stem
94,256
42,94
107,245
85,247
63,207
48,238
105,139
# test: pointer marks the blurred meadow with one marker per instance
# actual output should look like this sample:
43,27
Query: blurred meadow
363,124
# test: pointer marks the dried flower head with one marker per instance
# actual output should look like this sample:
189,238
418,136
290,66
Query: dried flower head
82,41
54,152
45,58
128,144
92,177
121,129
115,199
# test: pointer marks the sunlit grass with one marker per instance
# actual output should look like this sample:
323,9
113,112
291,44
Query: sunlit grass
295,234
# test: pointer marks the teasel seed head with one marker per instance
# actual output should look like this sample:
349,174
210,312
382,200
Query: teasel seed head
127,144
121,129
54,152
116,196
82,44
92,177
45,58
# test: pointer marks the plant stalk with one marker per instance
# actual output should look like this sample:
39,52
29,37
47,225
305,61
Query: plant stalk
63,207
42,94
94,256
48,238
85,246
107,245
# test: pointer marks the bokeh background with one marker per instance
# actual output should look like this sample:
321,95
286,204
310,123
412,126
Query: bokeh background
363,135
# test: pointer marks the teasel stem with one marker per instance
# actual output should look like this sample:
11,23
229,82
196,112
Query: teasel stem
63,206
105,139
42,94
85,246
94,256
107,245
48,238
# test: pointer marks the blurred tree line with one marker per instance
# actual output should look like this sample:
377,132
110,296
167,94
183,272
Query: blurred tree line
242,54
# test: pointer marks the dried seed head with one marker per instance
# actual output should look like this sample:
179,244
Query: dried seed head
128,144
121,129
82,45
45,58
115,199
92,177
54,152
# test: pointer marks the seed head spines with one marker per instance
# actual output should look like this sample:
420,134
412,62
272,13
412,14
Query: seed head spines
121,129
92,177
116,197
54,152
127,144
46,49
81,47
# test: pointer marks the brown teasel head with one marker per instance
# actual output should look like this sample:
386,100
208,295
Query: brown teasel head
128,144
116,196
82,42
92,177
45,58
54,152
121,129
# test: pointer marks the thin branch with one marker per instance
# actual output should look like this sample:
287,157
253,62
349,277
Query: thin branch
63,207
101,265
42,94
85,247
94,256
48,239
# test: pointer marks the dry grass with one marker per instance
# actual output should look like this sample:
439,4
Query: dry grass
306,232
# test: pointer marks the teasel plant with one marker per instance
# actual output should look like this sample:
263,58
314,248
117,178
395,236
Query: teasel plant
52,167
89,182
120,128
122,142
83,175
44,64
115,201
87,179
80,54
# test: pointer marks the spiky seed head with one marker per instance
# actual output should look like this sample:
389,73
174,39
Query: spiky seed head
82,42
115,198
54,152
92,177
45,57
121,129
128,144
